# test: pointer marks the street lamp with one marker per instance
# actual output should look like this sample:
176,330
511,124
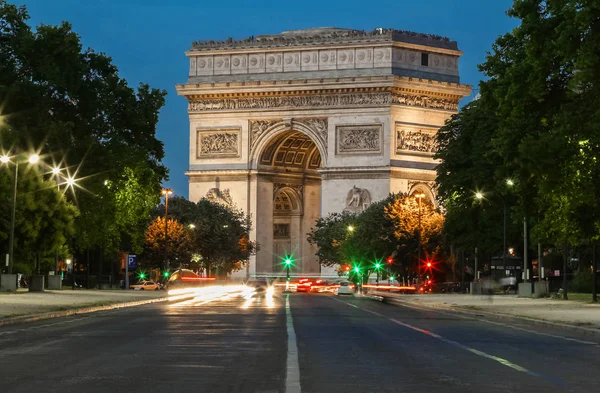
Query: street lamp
350,228
5,159
166,192
510,183
419,197
192,226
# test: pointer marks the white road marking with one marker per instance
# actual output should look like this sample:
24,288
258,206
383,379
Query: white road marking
460,315
292,377
500,360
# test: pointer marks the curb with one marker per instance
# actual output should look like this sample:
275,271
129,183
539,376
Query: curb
588,332
77,311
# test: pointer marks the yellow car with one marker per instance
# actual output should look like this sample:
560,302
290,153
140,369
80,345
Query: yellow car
145,286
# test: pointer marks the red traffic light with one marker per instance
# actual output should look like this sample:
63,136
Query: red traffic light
428,264
347,268
390,260
428,282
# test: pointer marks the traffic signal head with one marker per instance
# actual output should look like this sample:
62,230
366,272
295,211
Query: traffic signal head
356,269
166,274
428,264
428,276
287,261
142,275
377,265
347,267
390,260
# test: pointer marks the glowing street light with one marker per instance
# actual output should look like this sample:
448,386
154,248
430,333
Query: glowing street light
166,192
479,195
350,228
55,170
70,181
509,182
5,159
192,226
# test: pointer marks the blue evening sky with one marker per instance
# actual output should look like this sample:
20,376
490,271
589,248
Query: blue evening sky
147,38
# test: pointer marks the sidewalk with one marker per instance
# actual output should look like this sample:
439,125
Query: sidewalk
558,311
25,303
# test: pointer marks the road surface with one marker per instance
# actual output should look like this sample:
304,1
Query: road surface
248,344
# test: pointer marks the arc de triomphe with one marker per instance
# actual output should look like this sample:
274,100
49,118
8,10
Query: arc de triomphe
293,126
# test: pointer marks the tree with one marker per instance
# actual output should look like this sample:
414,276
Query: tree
328,235
179,241
220,237
70,104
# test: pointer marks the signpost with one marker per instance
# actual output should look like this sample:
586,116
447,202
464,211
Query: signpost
130,263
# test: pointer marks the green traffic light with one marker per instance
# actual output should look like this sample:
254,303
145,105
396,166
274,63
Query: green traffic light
378,266
356,269
142,276
166,274
288,261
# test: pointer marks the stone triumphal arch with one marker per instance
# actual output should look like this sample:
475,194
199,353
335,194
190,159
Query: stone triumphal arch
293,126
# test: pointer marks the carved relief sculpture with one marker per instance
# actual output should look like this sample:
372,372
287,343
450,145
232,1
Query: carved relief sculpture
218,143
321,100
359,139
357,200
333,100
413,140
218,196
258,127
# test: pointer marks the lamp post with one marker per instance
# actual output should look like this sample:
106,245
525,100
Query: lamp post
288,264
419,197
33,159
166,192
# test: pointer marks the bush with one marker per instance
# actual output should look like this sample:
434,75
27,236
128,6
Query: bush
583,282
23,268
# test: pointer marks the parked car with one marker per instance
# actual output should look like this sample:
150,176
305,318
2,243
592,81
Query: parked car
145,286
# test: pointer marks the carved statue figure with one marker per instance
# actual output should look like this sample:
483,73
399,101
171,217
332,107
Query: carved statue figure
357,200
218,196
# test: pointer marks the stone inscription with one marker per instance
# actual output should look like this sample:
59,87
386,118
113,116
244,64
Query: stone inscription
359,139
415,140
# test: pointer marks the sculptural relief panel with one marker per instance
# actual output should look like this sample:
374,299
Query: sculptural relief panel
382,57
218,143
192,65
274,62
327,59
364,58
204,65
222,65
239,64
310,60
256,63
414,140
345,58
291,61
359,139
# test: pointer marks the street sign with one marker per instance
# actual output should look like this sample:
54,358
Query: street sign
131,261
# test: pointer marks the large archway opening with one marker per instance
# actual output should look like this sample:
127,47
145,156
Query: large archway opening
289,203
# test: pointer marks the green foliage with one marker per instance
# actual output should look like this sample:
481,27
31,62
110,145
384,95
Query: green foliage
386,228
220,236
583,282
70,105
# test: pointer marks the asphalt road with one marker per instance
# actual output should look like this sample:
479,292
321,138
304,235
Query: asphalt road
235,344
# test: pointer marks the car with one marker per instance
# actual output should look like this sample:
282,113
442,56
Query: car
304,285
345,288
258,285
145,286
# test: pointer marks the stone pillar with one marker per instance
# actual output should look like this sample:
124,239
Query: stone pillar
8,282
55,282
36,283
